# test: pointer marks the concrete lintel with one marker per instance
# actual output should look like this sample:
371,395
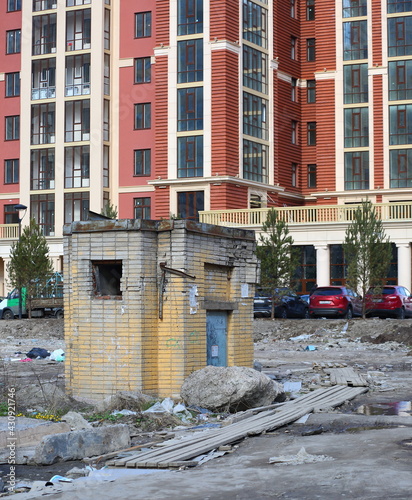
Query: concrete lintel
219,305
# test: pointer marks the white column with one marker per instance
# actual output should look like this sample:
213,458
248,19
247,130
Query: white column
322,265
404,264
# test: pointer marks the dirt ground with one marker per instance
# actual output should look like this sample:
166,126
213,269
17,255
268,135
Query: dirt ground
365,445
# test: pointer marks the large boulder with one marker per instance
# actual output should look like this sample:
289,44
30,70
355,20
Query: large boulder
233,388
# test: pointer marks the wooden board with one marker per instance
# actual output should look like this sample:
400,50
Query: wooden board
179,452
346,376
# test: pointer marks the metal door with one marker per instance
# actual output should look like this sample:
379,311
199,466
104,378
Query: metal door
216,331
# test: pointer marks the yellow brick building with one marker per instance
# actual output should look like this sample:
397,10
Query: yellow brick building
149,302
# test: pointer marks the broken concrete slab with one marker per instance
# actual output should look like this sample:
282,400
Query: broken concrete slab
28,432
230,388
80,444
75,421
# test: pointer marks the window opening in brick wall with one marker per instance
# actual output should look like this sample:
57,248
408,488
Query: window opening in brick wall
107,275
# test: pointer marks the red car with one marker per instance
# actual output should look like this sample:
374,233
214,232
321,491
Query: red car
331,301
393,301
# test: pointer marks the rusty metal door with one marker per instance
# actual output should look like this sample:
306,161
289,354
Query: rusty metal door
216,332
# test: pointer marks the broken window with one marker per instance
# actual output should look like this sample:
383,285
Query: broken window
106,278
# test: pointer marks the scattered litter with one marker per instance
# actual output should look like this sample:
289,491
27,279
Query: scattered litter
123,412
57,355
302,457
345,328
206,426
303,419
311,348
60,479
38,353
201,459
25,360
292,386
301,337
179,407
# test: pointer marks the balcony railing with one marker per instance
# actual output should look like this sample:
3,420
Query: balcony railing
319,214
9,231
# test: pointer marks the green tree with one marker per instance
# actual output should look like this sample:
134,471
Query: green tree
367,252
109,210
279,260
29,266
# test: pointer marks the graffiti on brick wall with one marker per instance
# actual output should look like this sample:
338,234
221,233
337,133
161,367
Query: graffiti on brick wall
173,343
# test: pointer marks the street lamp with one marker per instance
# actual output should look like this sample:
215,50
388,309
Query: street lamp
19,207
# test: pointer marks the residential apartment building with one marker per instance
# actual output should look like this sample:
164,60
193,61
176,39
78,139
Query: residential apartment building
209,109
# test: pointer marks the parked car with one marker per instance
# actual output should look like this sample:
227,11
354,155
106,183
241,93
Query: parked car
335,301
287,304
392,301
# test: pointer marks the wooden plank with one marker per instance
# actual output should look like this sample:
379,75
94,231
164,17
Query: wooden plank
266,421
347,376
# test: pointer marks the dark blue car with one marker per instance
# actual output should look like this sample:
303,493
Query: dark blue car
287,304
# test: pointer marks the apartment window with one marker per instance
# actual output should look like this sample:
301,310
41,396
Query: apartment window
294,89
400,80
106,167
106,120
142,162
43,76
310,10
77,75
255,161
43,123
77,120
39,5
254,116
11,216
400,124
72,3
311,91
143,24
294,130
13,40
355,40
190,109
142,70
77,167
255,23
190,156
399,36
12,84
293,8
293,47
12,128
106,32
142,208
190,61
311,175
189,17
400,168
42,210
44,34
311,49
255,65
294,174
76,207
356,127
189,204
311,133
42,169
142,116
13,5
354,8
11,171
338,265
395,6
78,29
106,75
357,170
355,83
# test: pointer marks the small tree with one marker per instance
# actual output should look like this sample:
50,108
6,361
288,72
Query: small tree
279,260
109,210
367,252
29,266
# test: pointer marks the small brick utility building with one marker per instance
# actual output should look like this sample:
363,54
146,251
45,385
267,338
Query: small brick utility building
149,302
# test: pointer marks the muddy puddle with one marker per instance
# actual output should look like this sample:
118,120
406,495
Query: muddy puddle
399,408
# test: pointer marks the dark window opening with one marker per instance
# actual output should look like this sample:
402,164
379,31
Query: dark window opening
107,277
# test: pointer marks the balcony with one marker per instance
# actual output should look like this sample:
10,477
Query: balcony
307,215
9,231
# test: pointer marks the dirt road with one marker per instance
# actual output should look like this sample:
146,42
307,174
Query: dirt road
350,455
